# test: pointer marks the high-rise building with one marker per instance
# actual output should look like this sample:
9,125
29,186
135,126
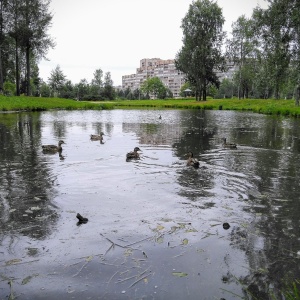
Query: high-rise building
155,67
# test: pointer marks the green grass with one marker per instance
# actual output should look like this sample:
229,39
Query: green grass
24,103
274,107
269,106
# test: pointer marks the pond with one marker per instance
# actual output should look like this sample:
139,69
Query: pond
157,228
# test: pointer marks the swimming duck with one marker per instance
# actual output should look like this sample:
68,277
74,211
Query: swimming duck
53,148
228,145
192,161
133,154
96,137
81,219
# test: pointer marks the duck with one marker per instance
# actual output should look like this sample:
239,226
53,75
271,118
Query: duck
133,154
53,148
96,137
228,145
192,161
81,219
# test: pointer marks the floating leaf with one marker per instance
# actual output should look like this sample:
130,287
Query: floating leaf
128,252
185,241
200,250
12,210
173,229
262,271
35,208
13,261
181,225
166,220
89,258
179,274
28,278
28,211
191,230
160,227
159,240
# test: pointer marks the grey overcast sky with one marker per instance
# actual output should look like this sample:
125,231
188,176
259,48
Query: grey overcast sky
114,35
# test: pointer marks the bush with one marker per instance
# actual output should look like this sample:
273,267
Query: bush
9,88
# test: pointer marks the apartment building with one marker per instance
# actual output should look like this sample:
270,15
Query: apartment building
155,67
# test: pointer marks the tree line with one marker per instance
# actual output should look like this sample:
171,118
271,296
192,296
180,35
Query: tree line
23,42
265,49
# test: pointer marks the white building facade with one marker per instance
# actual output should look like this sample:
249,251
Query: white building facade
155,67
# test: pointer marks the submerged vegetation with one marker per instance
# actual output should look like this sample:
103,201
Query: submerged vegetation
267,106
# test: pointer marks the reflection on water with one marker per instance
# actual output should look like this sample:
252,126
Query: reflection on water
172,214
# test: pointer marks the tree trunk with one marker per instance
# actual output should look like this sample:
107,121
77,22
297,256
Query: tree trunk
1,72
28,91
17,72
204,90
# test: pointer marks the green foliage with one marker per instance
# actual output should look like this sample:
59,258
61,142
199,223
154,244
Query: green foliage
155,87
56,80
201,54
227,89
45,90
9,88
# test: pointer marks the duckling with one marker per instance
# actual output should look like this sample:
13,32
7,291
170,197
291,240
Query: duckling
228,145
96,137
53,148
133,154
192,161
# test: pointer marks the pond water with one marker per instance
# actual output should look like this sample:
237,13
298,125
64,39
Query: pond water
156,226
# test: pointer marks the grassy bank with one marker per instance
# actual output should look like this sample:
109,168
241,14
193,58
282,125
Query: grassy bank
269,106
23,103
276,107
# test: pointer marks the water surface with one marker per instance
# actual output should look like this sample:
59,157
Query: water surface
155,228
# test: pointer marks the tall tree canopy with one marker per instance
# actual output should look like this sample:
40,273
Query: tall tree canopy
201,55
23,26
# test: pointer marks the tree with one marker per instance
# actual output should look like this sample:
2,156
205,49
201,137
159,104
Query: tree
200,56
154,86
3,22
83,89
97,81
241,50
272,26
26,22
226,89
35,40
108,91
56,80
